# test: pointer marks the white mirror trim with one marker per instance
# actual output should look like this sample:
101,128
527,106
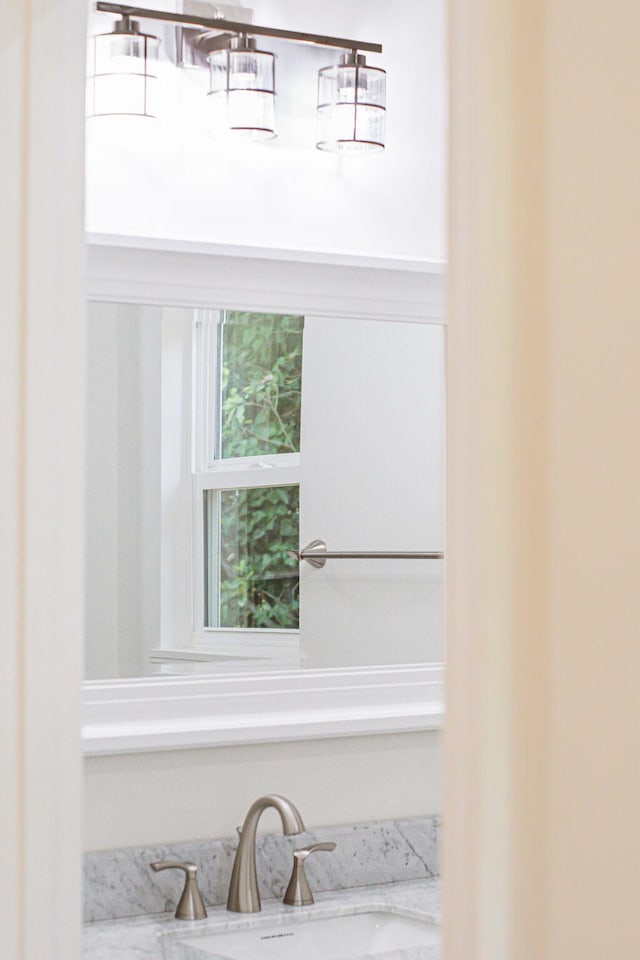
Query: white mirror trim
172,273
161,713
157,713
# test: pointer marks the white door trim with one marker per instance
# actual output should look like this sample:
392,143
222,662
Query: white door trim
41,464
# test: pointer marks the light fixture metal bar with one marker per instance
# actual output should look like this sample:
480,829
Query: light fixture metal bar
233,26
316,554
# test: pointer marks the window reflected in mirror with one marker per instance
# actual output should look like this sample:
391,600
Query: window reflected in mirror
247,404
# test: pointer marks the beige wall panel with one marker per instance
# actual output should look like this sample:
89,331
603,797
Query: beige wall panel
197,794
542,781
41,515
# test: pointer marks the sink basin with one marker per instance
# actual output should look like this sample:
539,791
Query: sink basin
373,934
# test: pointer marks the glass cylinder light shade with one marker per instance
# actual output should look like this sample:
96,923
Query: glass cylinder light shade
242,90
351,106
123,73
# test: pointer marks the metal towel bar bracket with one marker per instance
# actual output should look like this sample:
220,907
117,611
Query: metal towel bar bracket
317,554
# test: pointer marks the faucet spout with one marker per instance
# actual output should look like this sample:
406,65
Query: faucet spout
243,889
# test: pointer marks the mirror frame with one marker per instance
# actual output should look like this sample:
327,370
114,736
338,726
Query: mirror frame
156,713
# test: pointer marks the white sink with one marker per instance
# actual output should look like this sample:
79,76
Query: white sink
330,938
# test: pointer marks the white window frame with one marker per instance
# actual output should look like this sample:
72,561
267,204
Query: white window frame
266,704
191,642
280,645
211,473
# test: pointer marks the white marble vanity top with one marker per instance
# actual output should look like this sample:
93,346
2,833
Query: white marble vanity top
155,937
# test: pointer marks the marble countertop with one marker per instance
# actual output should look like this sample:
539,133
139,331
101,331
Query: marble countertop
155,937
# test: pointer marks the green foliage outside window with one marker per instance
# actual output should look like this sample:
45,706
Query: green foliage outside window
260,393
261,381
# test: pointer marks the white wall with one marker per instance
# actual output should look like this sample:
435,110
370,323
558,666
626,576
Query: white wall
123,489
175,181
196,794
101,572
372,478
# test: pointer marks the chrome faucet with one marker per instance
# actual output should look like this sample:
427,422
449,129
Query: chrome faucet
243,889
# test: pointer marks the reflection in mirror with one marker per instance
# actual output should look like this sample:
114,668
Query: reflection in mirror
220,442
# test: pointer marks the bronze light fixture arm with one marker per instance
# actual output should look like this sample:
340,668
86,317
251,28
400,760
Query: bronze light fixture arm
235,27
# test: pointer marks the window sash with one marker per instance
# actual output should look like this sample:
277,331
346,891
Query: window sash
206,407
241,473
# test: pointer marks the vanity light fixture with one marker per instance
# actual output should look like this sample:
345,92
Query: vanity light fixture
351,94
351,106
242,89
123,71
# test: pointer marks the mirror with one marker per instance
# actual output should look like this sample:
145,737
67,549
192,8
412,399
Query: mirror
219,442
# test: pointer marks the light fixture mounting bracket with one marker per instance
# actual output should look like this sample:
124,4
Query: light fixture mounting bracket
236,27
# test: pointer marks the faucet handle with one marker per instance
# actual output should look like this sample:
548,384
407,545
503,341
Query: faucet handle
191,905
298,893
303,852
